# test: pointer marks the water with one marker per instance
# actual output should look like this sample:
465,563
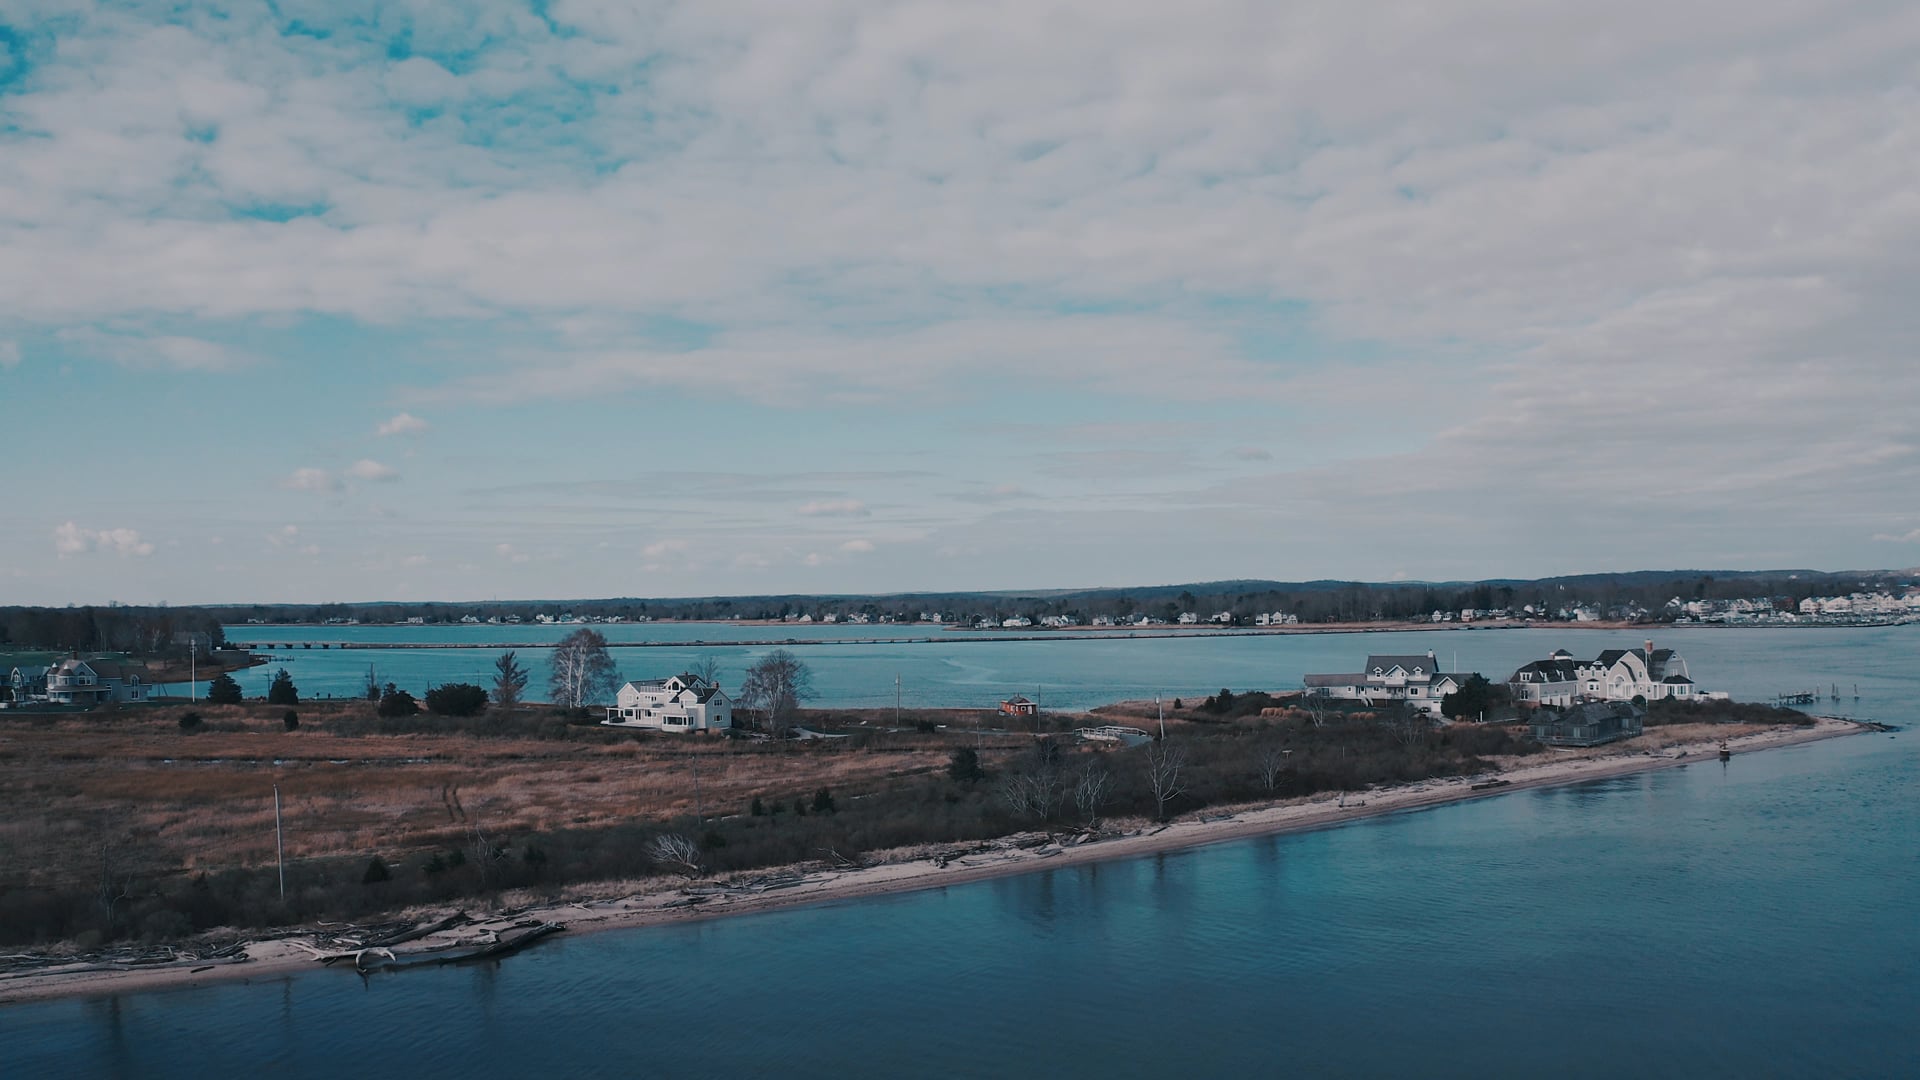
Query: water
1756,918
968,670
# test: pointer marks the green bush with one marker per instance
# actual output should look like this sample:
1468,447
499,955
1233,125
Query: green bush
189,721
376,872
282,690
397,703
222,690
457,699
291,720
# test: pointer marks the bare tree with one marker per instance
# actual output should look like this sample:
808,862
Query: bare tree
1036,788
583,673
677,851
1409,725
1031,793
1091,788
707,668
1272,762
1315,705
775,687
509,682
1164,763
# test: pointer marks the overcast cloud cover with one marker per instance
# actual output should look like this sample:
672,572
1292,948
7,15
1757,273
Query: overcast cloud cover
338,300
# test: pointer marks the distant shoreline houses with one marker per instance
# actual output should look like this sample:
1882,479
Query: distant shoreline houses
1854,609
681,704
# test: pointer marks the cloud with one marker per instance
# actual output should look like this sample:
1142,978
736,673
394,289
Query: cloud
403,424
511,553
284,537
415,560
9,354
372,471
1251,453
1912,537
857,547
662,548
834,508
70,539
309,479
164,351
1226,217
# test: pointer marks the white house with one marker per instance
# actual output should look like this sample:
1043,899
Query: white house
1554,681
685,702
28,683
95,682
1416,680
1614,675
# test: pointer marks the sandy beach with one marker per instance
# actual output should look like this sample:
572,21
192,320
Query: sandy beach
613,905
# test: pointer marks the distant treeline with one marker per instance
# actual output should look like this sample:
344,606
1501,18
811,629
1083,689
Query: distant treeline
148,631
1636,596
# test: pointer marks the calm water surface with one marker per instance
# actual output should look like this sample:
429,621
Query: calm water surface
967,670
1760,918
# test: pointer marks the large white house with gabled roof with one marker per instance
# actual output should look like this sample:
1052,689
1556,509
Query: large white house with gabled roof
74,681
686,702
1615,675
1416,680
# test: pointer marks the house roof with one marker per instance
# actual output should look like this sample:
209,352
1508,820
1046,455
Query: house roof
1612,656
1548,671
1600,710
1387,662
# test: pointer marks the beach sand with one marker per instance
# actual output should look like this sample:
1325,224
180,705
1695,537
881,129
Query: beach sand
613,906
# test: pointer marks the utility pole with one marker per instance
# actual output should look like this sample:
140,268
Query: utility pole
279,843
697,810
193,669
896,701
1163,717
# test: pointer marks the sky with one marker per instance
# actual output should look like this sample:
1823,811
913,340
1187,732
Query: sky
327,300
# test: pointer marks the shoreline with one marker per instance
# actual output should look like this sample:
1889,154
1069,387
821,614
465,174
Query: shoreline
658,903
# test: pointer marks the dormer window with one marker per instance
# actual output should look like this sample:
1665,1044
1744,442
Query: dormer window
1377,671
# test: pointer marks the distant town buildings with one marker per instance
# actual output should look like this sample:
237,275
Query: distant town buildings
1854,609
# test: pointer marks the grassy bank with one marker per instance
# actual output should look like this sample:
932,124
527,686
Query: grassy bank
122,826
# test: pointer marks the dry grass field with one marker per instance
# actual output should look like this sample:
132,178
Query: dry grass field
136,787
122,824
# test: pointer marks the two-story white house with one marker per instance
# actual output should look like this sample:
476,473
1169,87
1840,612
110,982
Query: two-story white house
1615,675
1416,680
1554,681
95,682
683,703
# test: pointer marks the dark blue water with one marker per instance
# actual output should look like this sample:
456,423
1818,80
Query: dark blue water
1760,918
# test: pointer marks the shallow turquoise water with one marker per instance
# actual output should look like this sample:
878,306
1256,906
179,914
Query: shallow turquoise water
963,670
1760,918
